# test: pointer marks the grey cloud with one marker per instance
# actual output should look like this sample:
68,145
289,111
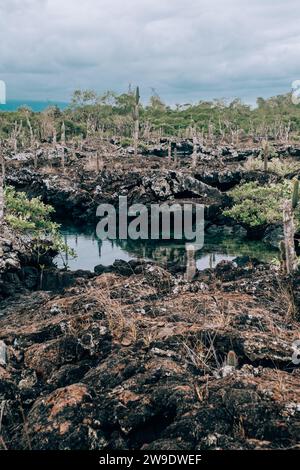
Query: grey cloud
188,51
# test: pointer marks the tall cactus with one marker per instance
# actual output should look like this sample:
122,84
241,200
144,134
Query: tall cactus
191,267
63,134
54,137
288,252
136,121
295,197
30,130
195,148
282,256
169,150
2,175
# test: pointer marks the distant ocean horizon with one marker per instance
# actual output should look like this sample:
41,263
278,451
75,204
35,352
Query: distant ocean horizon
37,106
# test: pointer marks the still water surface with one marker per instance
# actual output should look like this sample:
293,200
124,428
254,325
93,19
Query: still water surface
90,251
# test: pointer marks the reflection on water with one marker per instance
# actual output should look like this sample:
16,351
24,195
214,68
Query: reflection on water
91,251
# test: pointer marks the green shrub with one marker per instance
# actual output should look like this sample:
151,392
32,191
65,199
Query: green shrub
27,214
143,147
126,142
32,217
256,205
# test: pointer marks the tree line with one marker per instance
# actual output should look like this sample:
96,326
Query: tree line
124,117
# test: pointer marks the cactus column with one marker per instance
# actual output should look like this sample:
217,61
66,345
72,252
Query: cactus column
191,267
289,233
2,175
136,121
169,150
1,197
63,134
195,149
290,257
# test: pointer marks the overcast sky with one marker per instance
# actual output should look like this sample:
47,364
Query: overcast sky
186,49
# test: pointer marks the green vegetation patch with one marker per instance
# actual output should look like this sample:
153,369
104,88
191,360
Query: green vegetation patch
33,217
256,205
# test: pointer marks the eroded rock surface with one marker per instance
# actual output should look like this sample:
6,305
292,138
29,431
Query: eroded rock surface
135,360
